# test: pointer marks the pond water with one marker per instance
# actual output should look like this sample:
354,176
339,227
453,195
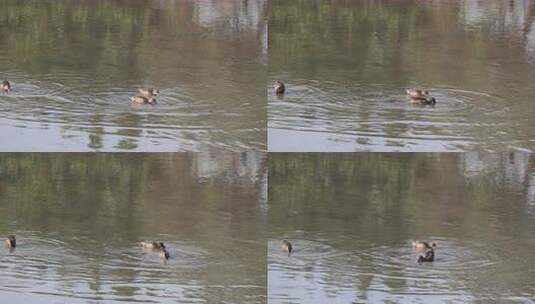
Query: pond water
347,64
74,65
352,218
79,221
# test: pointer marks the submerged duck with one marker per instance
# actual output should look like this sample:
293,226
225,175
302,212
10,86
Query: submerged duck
5,86
429,256
279,87
11,242
143,99
149,92
286,247
420,97
419,245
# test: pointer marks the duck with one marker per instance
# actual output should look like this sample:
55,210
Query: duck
419,245
286,246
153,245
279,87
11,242
428,257
164,254
5,86
419,96
140,99
149,92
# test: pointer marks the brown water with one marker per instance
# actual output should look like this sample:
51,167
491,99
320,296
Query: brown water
75,64
351,219
347,65
79,220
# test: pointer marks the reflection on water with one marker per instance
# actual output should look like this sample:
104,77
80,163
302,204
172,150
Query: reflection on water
79,220
75,64
347,64
351,219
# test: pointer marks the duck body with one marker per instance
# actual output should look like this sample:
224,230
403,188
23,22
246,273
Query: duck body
139,99
149,92
11,242
153,245
279,88
5,86
286,246
419,245
418,96
428,257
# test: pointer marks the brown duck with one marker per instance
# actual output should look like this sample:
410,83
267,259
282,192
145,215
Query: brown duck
286,246
11,242
418,96
279,88
156,246
5,86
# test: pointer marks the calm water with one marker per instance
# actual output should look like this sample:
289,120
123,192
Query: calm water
79,220
351,219
75,64
347,65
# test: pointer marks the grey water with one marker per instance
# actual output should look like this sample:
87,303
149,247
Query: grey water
74,65
346,65
79,220
352,218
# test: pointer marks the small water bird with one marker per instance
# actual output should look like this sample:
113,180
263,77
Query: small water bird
164,254
428,257
11,242
145,96
5,86
419,245
143,99
418,96
286,246
279,87
148,91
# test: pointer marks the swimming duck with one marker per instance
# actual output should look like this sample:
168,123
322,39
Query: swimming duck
153,245
5,86
143,99
11,242
164,254
429,256
279,87
419,245
286,247
420,97
148,92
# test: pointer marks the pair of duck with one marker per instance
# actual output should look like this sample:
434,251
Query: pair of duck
156,246
11,243
416,96
145,96
429,250
429,256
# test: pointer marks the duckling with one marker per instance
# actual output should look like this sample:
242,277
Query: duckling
418,96
153,245
279,88
5,86
419,245
148,92
143,99
286,246
429,256
11,242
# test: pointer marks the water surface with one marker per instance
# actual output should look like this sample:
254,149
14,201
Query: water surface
75,64
347,65
351,219
79,220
